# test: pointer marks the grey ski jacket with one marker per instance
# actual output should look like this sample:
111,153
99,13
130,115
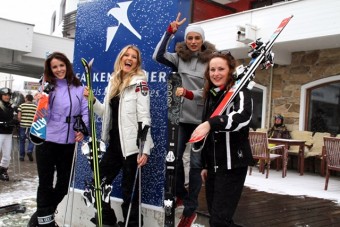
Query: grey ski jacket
191,66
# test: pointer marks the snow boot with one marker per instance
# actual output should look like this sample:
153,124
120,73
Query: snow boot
33,222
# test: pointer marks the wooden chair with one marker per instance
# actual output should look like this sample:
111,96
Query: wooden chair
332,153
263,153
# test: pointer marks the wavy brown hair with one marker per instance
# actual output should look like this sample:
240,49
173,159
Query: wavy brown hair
232,63
70,76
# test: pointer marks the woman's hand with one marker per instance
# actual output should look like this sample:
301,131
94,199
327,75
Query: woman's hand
180,91
79,136
86,94
38,96
204,174
202,130
175,24
141,161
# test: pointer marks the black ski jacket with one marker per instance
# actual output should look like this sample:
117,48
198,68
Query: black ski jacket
227,145
6,118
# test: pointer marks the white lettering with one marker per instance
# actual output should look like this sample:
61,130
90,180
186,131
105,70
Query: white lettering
41,123
159,77
95,77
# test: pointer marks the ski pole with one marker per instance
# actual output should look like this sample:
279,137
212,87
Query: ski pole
72,179
79,126
141,139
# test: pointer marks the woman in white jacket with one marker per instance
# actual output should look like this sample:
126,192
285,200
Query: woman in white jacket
127,102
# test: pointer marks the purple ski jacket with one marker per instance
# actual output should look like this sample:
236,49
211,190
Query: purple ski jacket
65,102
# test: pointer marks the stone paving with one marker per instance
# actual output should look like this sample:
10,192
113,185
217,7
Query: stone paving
21,188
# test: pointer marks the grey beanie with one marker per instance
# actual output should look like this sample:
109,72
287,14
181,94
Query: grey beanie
194,28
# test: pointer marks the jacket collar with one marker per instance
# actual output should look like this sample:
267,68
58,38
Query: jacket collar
185,54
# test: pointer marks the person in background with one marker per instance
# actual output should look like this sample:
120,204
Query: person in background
318,123
126,103
54,157
7,123
189,60
278,130
226,153
26,113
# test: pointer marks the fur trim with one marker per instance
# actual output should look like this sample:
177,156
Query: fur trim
204,55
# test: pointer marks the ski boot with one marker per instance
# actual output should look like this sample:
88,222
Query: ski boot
105,224
33,222
3,174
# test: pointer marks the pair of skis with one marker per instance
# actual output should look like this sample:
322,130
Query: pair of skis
94,144
261,55
173,103
12,209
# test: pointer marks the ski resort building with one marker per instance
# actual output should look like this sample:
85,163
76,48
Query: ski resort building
304,80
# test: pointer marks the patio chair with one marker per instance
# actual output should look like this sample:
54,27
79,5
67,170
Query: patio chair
263,153
332,153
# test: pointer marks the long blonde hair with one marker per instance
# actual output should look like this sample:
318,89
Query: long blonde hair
120,81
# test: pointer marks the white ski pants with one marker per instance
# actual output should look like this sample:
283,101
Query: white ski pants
5,149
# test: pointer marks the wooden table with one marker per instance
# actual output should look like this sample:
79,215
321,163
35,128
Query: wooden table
289,142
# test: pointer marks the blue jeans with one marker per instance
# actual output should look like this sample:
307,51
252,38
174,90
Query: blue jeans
190,198
23,135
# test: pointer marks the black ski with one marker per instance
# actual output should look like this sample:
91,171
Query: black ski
174,81
12,209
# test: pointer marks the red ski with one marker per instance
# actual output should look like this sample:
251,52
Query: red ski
261,55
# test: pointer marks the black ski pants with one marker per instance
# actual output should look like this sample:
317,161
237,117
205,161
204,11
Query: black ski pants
110,166
223,192
52,158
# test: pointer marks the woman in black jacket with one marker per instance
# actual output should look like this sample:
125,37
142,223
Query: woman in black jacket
226,153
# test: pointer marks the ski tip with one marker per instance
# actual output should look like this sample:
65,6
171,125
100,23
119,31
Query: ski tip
91,62
83,60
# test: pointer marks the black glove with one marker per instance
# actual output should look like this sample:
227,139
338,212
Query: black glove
142,133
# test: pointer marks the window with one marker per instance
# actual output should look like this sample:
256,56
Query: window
323,111
259,95
62,11
320,102
53,22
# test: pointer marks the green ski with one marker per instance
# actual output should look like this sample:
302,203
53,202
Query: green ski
94,145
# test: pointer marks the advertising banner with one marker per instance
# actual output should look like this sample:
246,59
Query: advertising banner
103,28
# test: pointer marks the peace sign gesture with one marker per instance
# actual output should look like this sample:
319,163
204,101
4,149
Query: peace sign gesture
175,24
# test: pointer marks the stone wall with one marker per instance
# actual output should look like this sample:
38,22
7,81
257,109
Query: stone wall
287,80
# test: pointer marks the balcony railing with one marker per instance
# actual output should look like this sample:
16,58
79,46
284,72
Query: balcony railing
69,24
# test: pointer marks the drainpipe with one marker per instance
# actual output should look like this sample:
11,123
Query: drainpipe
270,96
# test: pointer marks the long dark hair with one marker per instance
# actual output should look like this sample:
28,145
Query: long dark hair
70,76
232,66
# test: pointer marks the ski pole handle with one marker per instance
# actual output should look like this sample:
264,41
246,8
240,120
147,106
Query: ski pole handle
79,125
142,133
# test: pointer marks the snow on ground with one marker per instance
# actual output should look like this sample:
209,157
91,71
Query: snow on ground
309,184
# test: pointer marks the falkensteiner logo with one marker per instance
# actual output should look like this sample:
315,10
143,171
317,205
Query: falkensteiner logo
120,13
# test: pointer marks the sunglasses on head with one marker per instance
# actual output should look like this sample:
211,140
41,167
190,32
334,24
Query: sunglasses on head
223,52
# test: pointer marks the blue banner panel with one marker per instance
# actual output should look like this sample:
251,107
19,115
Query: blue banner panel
103,28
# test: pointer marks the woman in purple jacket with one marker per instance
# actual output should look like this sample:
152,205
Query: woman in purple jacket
66,101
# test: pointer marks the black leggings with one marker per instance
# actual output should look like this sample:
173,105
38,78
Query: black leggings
110,166
51,158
